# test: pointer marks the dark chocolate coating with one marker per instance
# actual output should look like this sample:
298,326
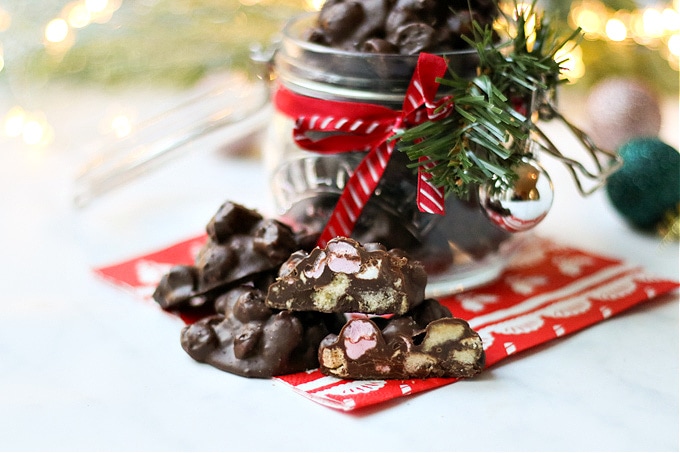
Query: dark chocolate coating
404,27
176,287
263,247
378,45
345,277
414,38
241,246
347,24
339,19
407,12
249,339
403,348
230,219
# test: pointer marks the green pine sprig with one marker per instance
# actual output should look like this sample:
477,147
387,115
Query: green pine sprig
485,137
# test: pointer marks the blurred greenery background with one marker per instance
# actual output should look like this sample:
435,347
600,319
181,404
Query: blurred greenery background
176,42
114,44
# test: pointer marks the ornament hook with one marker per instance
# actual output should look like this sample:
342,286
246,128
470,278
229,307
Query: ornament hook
606,162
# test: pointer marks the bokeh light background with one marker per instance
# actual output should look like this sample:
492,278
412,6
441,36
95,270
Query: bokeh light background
112,45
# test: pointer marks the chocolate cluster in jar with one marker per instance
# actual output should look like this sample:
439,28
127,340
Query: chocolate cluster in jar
324,57
405,27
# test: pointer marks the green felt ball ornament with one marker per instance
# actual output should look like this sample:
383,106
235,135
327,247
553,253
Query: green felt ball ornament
646,190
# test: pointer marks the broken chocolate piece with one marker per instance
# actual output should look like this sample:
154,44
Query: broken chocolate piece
446,347
249,339
345,277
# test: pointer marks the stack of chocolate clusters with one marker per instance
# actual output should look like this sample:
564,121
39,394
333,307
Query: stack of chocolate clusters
355,311
404,27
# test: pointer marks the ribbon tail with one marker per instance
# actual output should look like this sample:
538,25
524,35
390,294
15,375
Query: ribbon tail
356,194
423,87
430,199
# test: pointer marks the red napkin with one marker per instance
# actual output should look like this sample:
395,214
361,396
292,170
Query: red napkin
548,291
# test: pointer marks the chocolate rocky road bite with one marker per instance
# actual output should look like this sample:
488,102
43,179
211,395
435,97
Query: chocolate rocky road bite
241,246
405,27
426,343
249,339
346,277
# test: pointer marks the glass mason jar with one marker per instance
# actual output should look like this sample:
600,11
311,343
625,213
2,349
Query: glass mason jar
460,250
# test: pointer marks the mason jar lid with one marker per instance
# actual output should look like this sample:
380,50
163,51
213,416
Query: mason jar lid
329,73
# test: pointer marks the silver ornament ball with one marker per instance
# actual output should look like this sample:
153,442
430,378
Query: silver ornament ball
522,206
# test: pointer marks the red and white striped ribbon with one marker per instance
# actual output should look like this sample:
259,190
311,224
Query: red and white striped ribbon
431,198
358,190
351,126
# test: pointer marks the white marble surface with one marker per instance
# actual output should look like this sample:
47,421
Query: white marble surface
84,366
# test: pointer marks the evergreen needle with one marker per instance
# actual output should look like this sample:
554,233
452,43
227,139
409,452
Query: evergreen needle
484,137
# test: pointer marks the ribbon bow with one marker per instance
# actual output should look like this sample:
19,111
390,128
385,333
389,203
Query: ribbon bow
352,126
